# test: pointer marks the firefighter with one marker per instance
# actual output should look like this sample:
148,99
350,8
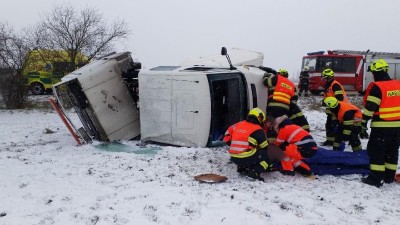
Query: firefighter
332,89
297,144
381,103
282,98
349,119
304,82
248,145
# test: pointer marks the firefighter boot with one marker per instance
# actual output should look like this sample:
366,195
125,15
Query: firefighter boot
242,170
253,174
372,180
389,176
327,143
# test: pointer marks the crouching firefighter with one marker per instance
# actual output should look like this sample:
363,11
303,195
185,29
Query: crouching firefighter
297,144
248,146
349,119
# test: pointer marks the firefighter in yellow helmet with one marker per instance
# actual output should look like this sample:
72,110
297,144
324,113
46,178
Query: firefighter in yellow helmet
381,103
248,146
282,98
332,89
349,120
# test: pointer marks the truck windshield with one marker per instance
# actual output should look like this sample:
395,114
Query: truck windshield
337,64
311,63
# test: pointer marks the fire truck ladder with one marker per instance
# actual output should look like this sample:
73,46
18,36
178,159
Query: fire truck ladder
390,54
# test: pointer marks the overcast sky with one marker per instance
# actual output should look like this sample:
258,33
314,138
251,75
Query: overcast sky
165,32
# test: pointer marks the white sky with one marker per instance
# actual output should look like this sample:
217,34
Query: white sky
165,32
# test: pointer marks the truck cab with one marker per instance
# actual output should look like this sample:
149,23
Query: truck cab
350,67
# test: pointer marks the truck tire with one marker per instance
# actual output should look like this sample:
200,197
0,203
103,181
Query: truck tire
316,92
37,88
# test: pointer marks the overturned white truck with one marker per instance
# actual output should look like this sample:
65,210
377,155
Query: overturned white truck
188,105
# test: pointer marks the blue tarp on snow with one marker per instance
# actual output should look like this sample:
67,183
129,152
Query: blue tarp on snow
328,162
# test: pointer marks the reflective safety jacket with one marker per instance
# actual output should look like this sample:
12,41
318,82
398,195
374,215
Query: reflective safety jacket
388,113
242,144
348,115
293,134
336,90
284,90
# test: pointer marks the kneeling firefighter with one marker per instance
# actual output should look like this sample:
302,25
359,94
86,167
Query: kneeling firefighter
248,146
297,144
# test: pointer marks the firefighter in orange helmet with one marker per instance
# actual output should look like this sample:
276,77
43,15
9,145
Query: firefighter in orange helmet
332,89
381,103
248,146
349,119
297,144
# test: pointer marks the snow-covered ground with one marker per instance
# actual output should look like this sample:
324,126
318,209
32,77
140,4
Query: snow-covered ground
46,179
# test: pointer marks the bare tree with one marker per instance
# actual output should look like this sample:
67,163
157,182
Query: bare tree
13,91
84,32
13,48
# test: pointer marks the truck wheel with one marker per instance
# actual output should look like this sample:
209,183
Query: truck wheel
315,92
37,89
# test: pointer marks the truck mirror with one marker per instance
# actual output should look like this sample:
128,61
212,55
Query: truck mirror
223,51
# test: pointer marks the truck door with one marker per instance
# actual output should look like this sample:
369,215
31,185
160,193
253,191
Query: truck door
228,103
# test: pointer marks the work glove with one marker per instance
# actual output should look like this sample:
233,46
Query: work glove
364,133
268,75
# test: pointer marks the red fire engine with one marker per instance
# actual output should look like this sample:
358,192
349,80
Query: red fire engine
350,67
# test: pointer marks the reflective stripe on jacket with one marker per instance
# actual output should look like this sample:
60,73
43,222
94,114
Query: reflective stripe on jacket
284,90
330,93
389,108
293,134
347,106
239,135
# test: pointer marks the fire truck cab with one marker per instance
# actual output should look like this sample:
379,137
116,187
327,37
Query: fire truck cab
350,67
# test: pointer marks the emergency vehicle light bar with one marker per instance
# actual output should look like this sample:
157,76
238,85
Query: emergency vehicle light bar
316,53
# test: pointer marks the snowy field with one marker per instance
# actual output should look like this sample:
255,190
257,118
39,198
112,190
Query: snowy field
46,179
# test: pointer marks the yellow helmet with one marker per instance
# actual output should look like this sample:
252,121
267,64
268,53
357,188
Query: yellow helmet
257,113
283,72
331,102
379,65
328,73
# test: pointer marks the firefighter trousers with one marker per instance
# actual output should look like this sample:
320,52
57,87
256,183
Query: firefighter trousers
258,162
383,152
330,127
293,160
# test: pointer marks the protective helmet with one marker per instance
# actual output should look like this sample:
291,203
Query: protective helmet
328,73
379,65
258,114
331,102
283,72
305,68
